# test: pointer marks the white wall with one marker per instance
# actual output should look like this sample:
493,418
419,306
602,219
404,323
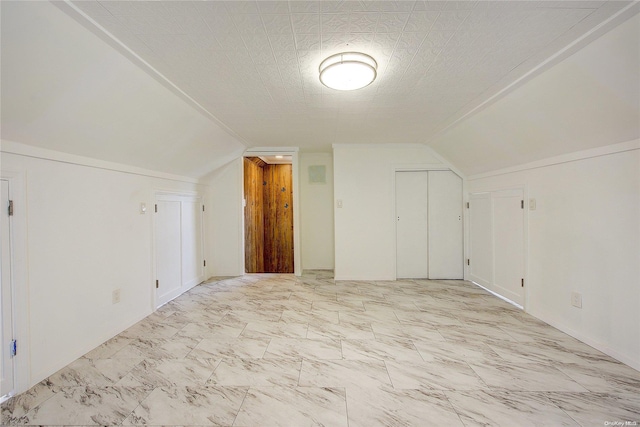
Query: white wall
85,237
365,225
316,214
225,216
584,236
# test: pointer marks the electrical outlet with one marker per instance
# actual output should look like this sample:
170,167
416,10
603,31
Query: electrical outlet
576,299
115,296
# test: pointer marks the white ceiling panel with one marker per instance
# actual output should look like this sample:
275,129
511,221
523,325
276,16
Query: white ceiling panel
254,64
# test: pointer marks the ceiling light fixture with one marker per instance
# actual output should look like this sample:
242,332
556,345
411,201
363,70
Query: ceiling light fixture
348,71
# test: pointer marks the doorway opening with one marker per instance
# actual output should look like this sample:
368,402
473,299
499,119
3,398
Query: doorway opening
268,214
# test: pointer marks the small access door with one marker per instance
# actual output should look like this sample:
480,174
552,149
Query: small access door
168,248
6,299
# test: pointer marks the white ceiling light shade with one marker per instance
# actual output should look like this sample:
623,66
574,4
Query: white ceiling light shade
348,71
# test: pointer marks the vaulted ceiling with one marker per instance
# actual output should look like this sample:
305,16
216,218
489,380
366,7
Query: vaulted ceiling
254,64
183,86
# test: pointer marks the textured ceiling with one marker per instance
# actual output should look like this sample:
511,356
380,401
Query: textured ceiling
254,65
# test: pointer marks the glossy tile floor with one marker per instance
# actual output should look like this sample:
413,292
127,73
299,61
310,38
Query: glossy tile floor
284,351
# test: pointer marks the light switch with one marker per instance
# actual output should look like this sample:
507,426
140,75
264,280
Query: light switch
339,203
532,204
143,208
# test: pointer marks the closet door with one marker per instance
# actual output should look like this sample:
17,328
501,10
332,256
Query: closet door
412,258
168,251
481,239
445,226
508,218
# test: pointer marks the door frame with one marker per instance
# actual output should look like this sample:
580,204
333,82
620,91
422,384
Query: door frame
159,194
295,166
19,280
525,218
422,167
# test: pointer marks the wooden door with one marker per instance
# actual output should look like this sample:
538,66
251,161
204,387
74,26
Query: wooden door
268,217
278,219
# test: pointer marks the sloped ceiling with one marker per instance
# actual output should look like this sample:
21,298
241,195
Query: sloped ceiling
210,76
589,100
66,90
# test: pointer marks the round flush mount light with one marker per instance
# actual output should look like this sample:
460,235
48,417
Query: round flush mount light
348,71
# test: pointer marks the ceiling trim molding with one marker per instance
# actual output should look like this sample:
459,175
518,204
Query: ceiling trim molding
565,158
17,148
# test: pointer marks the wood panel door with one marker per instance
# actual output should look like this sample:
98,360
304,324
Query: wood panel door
268,217
278,219
253,215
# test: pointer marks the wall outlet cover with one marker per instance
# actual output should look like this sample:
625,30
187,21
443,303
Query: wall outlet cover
576,299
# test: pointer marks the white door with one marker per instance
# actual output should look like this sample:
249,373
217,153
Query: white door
6,301
412,249
508,219
481,239
168,251
445,226
192,258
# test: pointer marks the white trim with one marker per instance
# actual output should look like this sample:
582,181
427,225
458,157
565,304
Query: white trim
551,320
382,145
19,149
564,158
266,151
498,295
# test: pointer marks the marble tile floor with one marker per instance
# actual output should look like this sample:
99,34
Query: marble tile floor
277,350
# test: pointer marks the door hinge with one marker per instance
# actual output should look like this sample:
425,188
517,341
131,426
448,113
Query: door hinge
157,284
14,348
10,209
521,204
204,263
468,261
467,205
522,283
156,207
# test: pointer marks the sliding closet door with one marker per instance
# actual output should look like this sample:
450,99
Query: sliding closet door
445,226
412,257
